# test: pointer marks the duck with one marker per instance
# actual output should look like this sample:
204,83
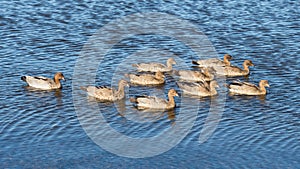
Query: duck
155,67
196,76
245,88
202,89
213,62
233,71
104,93
147,79
154,103
44,83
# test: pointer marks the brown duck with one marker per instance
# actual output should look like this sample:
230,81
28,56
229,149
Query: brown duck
244,88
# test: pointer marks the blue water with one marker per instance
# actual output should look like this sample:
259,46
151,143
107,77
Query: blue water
42,129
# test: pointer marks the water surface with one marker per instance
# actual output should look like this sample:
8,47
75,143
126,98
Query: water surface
40,129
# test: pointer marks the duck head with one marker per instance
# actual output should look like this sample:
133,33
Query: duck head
227,57
171,61
123,83
264,83
59,76
172,92
248,63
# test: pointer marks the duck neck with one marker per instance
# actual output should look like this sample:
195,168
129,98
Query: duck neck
262,88
56,80
121,90
213,90
169,64
171,102
226,61
246,68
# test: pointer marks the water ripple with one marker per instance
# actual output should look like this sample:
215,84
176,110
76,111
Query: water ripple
41,128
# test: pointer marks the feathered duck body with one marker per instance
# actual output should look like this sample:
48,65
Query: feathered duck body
44,83
147,79
214,62
196,76
233,71
245,88
155,67
152,102
202,89
105,93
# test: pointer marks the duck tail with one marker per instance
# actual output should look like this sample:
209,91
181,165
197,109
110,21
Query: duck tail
195,62
23,78
83,88
133,100
227,85
135,65
175,72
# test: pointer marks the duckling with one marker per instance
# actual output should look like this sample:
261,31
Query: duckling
152,102
232,71
196,76
155,67
44,83
213,62
244,88
105,93
147,79
202,89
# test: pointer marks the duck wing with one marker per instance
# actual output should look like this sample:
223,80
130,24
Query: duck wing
198,89
209,62
187,85
206,61
233,68
231,71
145,79
196,75
145,76
41,78
250,85
193,88
243,87
152,67
150,102
244,84
100,92
38,81
189,75
204,85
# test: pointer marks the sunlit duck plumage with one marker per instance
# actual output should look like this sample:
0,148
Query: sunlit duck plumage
196,76
155,67
244,88
152,102
105,93
147,79
44,83
232,71
202,89
212,62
